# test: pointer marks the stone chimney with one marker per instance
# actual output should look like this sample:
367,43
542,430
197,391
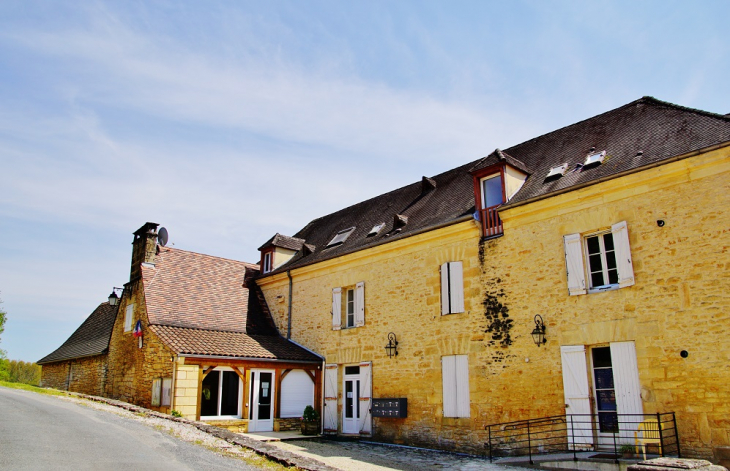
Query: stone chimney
144,248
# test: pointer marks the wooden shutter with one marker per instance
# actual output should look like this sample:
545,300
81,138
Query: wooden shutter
365,424
166,398
330,398
575,388
462,386
626,385
456,288
623,254
156,389
574,264
445,301
448,379
360,304
128,317
336,309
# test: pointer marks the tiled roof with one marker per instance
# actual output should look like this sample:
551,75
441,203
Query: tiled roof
188,289
635,135
91,338
186,341
283,241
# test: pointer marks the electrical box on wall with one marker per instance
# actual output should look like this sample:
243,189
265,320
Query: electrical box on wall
393,407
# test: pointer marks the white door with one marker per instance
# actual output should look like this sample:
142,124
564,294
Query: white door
577,397
351,400
627,387
366,389
261,415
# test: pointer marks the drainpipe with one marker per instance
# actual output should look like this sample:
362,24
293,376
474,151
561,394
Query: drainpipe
288,328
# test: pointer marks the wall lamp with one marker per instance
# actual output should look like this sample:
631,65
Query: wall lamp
538,333
392,347
114,297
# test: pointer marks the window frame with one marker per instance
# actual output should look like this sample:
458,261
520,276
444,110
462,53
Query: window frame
340,306
349,308
491,176
603,253
239,400
267,259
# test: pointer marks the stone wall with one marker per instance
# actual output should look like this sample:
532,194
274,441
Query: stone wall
88,375
679,302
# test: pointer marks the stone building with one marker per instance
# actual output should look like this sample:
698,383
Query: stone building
80,364
191,334
611,232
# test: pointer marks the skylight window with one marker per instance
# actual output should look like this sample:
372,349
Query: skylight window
595,158
558,171
376,229
340,237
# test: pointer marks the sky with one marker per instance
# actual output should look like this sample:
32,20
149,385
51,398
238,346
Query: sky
227,122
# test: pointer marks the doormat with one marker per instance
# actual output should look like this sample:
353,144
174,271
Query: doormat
604,456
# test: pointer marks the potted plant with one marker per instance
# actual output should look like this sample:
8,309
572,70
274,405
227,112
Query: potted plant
310,421
627,451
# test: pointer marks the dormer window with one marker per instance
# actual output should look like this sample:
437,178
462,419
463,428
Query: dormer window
557,171
492,191
376,229
340,237
266,266
494,185
595,158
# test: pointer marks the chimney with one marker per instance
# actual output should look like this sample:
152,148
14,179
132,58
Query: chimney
144,248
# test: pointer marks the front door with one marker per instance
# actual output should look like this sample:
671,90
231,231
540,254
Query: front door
261,411
351,409
604,395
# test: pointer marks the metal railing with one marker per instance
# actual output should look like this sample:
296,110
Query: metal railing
576,433
491,222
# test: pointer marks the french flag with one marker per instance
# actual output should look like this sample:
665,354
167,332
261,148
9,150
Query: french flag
138,329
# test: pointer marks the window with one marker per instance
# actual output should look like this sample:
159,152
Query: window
353,314
220,395
340,237
128,318
491,191
595,158
603,257
455,378
267,262
452,288
557,171
376,229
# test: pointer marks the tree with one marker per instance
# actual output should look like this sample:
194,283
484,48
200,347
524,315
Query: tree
4,366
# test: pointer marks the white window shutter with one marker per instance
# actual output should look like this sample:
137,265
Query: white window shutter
296,393
462,386
456,274
574,264
575,388
156,389
336,309
330,398
128,317
360,304
623,254
366,386
626,382
448,379
445,307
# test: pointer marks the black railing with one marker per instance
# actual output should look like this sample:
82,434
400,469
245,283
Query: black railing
575,433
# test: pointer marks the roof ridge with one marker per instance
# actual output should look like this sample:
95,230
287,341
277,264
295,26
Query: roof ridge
175,249
201,329
686,108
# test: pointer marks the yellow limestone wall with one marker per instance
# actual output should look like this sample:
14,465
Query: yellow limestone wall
680,301
185,396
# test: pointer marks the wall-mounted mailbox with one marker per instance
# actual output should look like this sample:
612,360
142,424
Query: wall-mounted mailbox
394,407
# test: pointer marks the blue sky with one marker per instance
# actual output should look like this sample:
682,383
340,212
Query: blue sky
229,121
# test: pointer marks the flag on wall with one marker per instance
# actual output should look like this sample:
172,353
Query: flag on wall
138,329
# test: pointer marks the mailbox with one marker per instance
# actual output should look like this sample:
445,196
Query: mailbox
393,407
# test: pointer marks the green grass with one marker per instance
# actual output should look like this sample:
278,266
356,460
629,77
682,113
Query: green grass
28,387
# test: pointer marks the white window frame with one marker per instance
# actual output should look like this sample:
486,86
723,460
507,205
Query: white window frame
268,259
452,288
455,386
354,310
578,265
604,255
481,188
129,317
341,237
221,369
350,308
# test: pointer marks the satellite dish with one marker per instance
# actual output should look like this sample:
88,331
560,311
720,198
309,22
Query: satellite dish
162,236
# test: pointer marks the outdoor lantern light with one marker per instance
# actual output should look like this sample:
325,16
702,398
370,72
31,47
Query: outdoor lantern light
114,298
392,347
538,334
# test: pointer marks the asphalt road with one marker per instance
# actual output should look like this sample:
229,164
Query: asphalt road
39,432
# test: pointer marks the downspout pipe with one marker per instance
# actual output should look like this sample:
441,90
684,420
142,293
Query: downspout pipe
288,327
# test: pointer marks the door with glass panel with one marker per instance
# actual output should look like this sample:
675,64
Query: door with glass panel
351,402
605,394
261,411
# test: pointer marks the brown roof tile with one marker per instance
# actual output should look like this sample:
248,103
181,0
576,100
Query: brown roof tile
186,341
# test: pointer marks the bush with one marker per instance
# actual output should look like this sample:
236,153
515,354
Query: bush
310,415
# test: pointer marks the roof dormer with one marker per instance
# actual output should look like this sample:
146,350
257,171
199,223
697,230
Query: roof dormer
277,251
497,178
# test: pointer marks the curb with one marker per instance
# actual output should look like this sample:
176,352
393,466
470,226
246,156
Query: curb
269,451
